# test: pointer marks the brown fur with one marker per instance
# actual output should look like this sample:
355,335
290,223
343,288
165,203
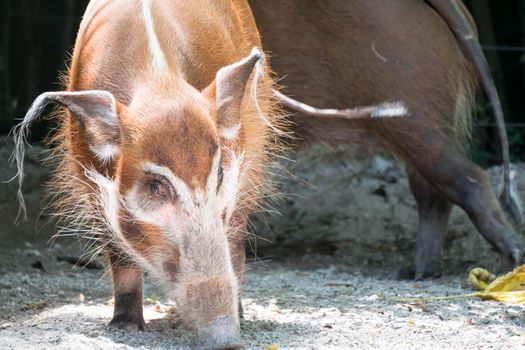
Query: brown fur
118,66
168,119
347,69
145,238
339,54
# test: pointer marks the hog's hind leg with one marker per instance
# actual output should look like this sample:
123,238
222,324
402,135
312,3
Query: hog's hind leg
434,212
127,291
463,183
473,192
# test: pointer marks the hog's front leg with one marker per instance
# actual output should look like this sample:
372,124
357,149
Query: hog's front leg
238,256
127,292
237,243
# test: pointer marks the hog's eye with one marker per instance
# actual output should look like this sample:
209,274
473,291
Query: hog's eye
159,189
221,177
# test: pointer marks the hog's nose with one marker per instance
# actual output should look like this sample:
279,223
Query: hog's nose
220,334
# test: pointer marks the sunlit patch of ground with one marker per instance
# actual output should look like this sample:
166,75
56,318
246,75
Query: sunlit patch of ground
294,305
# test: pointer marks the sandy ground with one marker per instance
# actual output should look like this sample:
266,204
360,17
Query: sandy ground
308,302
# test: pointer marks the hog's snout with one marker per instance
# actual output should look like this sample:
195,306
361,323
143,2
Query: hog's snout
206,289
208,301
220,334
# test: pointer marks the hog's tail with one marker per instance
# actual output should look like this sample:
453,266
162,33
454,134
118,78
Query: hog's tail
453,14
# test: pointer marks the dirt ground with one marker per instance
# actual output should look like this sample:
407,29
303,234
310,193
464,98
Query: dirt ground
338,297
311,302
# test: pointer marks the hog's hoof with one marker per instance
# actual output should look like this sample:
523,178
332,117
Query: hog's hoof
126,322
427,271
418,274
513,257
402,273
241,311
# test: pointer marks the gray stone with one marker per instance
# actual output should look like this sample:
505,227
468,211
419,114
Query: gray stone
361,209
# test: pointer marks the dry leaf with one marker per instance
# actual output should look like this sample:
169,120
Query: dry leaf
513,281
152,299
271,347
509,288
159,308
480,278
508,297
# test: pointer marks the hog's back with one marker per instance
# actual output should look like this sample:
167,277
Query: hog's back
112,50
361,52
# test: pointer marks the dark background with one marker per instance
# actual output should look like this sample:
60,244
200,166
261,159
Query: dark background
38,35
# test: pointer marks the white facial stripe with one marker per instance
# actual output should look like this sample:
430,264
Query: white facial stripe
207,204
180,186
132,206
230,185
157,55
109,200
160,217
108,196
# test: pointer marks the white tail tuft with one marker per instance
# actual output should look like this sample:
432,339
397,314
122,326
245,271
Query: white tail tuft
389,110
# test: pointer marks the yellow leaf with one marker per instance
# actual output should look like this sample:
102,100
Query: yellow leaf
480,278
513,281
152,299
508,297
271,347
509,288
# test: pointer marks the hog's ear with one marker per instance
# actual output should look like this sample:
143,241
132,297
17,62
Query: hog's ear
230,84
97,112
